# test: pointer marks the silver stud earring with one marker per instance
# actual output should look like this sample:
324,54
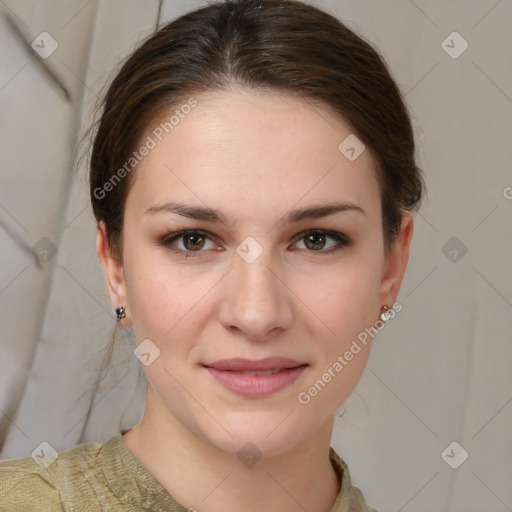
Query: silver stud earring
120,312
386,315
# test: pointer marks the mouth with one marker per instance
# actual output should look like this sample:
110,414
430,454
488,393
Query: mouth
261,372
256,378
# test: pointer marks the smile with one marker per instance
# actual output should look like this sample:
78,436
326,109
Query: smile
256,379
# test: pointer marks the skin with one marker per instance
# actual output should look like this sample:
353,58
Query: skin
254,157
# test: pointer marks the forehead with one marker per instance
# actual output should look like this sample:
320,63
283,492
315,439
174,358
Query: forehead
252,151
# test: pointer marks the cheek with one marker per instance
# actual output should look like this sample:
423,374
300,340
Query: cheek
347,297
350,311
344,348
165,295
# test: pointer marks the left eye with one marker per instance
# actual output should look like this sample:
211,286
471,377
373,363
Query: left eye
194,241
316,238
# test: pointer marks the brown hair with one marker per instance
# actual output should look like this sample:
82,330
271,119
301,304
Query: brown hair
282,45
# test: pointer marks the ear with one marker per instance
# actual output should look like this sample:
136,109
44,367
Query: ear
396,262
113,269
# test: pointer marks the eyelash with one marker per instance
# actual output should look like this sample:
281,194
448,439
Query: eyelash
166,241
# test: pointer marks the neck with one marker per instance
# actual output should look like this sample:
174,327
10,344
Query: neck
200,476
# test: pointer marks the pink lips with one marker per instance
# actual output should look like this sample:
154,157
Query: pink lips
228,372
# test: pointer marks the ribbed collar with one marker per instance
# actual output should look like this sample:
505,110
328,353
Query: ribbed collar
132,483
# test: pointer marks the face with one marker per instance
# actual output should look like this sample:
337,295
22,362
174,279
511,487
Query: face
267,269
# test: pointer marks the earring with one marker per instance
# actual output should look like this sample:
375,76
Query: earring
386,315
120,312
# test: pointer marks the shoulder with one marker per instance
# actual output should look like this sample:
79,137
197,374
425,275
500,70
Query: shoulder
25,486
43,481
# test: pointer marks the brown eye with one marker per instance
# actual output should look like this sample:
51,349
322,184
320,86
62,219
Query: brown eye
187,243
315,241
318,241
196,242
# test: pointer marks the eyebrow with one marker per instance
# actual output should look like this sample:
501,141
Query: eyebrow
213,215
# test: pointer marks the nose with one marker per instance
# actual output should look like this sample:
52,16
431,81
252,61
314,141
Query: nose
256,302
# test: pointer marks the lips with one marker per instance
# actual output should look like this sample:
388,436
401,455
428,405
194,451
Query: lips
262,365
256,378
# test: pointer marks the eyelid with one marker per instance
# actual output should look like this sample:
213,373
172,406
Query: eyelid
327,232
342,240
168,239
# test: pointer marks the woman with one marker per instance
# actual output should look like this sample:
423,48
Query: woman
253,177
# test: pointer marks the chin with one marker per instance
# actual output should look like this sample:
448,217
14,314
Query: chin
257,434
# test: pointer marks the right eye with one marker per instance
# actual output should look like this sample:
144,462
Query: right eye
193,241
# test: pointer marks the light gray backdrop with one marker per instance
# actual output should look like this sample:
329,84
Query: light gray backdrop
438,374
